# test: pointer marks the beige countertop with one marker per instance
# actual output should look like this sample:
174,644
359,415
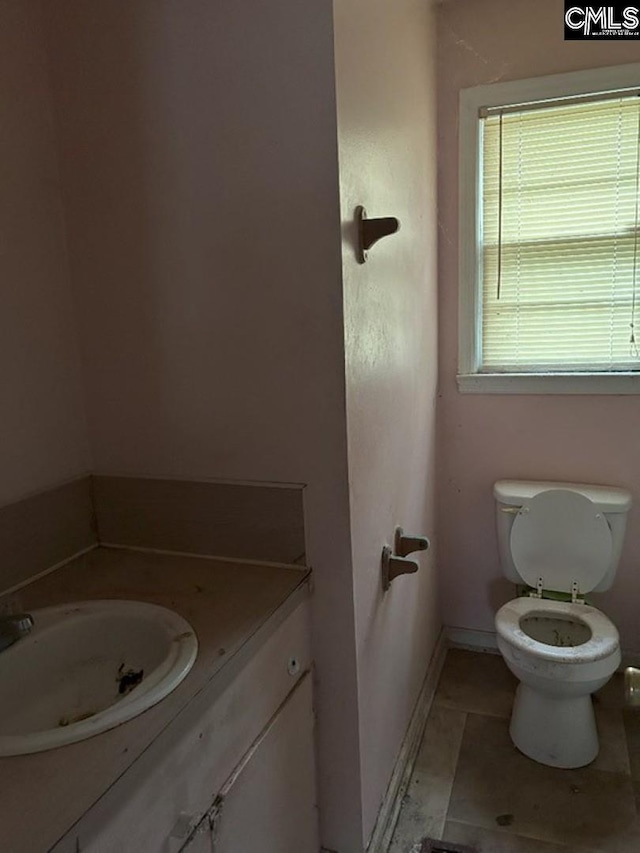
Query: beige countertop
227,603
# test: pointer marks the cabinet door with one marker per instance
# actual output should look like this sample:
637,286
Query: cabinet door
268,805
201,840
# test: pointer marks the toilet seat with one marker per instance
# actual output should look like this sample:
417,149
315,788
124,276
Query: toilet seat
604,639
560,537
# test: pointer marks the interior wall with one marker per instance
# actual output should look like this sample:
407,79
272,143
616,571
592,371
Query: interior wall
590,439
198,154
43,438
385,73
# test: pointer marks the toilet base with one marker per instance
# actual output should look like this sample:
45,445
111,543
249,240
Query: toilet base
559,732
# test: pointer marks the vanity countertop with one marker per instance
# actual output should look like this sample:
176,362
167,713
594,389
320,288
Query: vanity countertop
229,604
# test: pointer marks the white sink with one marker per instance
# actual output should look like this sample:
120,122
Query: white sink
87,667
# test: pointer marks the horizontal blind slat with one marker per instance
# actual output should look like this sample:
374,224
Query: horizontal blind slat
566,243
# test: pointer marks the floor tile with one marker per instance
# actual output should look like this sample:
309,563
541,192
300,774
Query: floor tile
498,788
632,730
613,755
425,804
492,841
440,747
612,694
479,683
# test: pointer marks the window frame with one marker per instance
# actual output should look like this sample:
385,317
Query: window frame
472,100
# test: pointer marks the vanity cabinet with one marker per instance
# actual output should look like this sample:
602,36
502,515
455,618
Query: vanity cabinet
234,772
202,839
267,805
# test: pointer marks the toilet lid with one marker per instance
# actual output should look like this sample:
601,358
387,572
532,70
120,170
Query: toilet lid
561,537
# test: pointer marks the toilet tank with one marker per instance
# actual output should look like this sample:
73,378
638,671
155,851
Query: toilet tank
612,502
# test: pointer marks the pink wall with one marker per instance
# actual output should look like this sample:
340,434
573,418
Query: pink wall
385,72
197,145
591,439
198,154
199,157
42,429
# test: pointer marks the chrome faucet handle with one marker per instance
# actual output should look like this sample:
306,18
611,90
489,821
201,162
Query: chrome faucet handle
13,627
18,623
23,622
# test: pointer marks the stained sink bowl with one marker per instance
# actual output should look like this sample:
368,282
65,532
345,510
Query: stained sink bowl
88,667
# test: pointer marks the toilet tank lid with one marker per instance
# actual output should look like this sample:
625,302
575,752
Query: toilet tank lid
609,499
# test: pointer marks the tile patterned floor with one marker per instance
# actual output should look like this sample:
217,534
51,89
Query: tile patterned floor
471,785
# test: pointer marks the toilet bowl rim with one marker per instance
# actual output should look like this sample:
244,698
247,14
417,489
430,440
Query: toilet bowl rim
604,641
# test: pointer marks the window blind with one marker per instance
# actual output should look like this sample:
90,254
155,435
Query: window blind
560,244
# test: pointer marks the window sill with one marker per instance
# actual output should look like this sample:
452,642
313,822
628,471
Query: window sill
549,383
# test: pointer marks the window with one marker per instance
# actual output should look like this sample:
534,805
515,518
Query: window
549,234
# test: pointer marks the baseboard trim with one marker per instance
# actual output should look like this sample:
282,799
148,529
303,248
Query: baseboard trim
468,638
403,770
485,641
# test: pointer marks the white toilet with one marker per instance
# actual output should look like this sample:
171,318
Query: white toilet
561,541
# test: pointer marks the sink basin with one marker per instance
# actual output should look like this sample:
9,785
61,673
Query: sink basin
87,667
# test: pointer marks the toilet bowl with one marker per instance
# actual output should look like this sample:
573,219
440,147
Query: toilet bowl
558,542
561,653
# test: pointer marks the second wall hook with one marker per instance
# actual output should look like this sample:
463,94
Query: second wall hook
372,230
393,566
